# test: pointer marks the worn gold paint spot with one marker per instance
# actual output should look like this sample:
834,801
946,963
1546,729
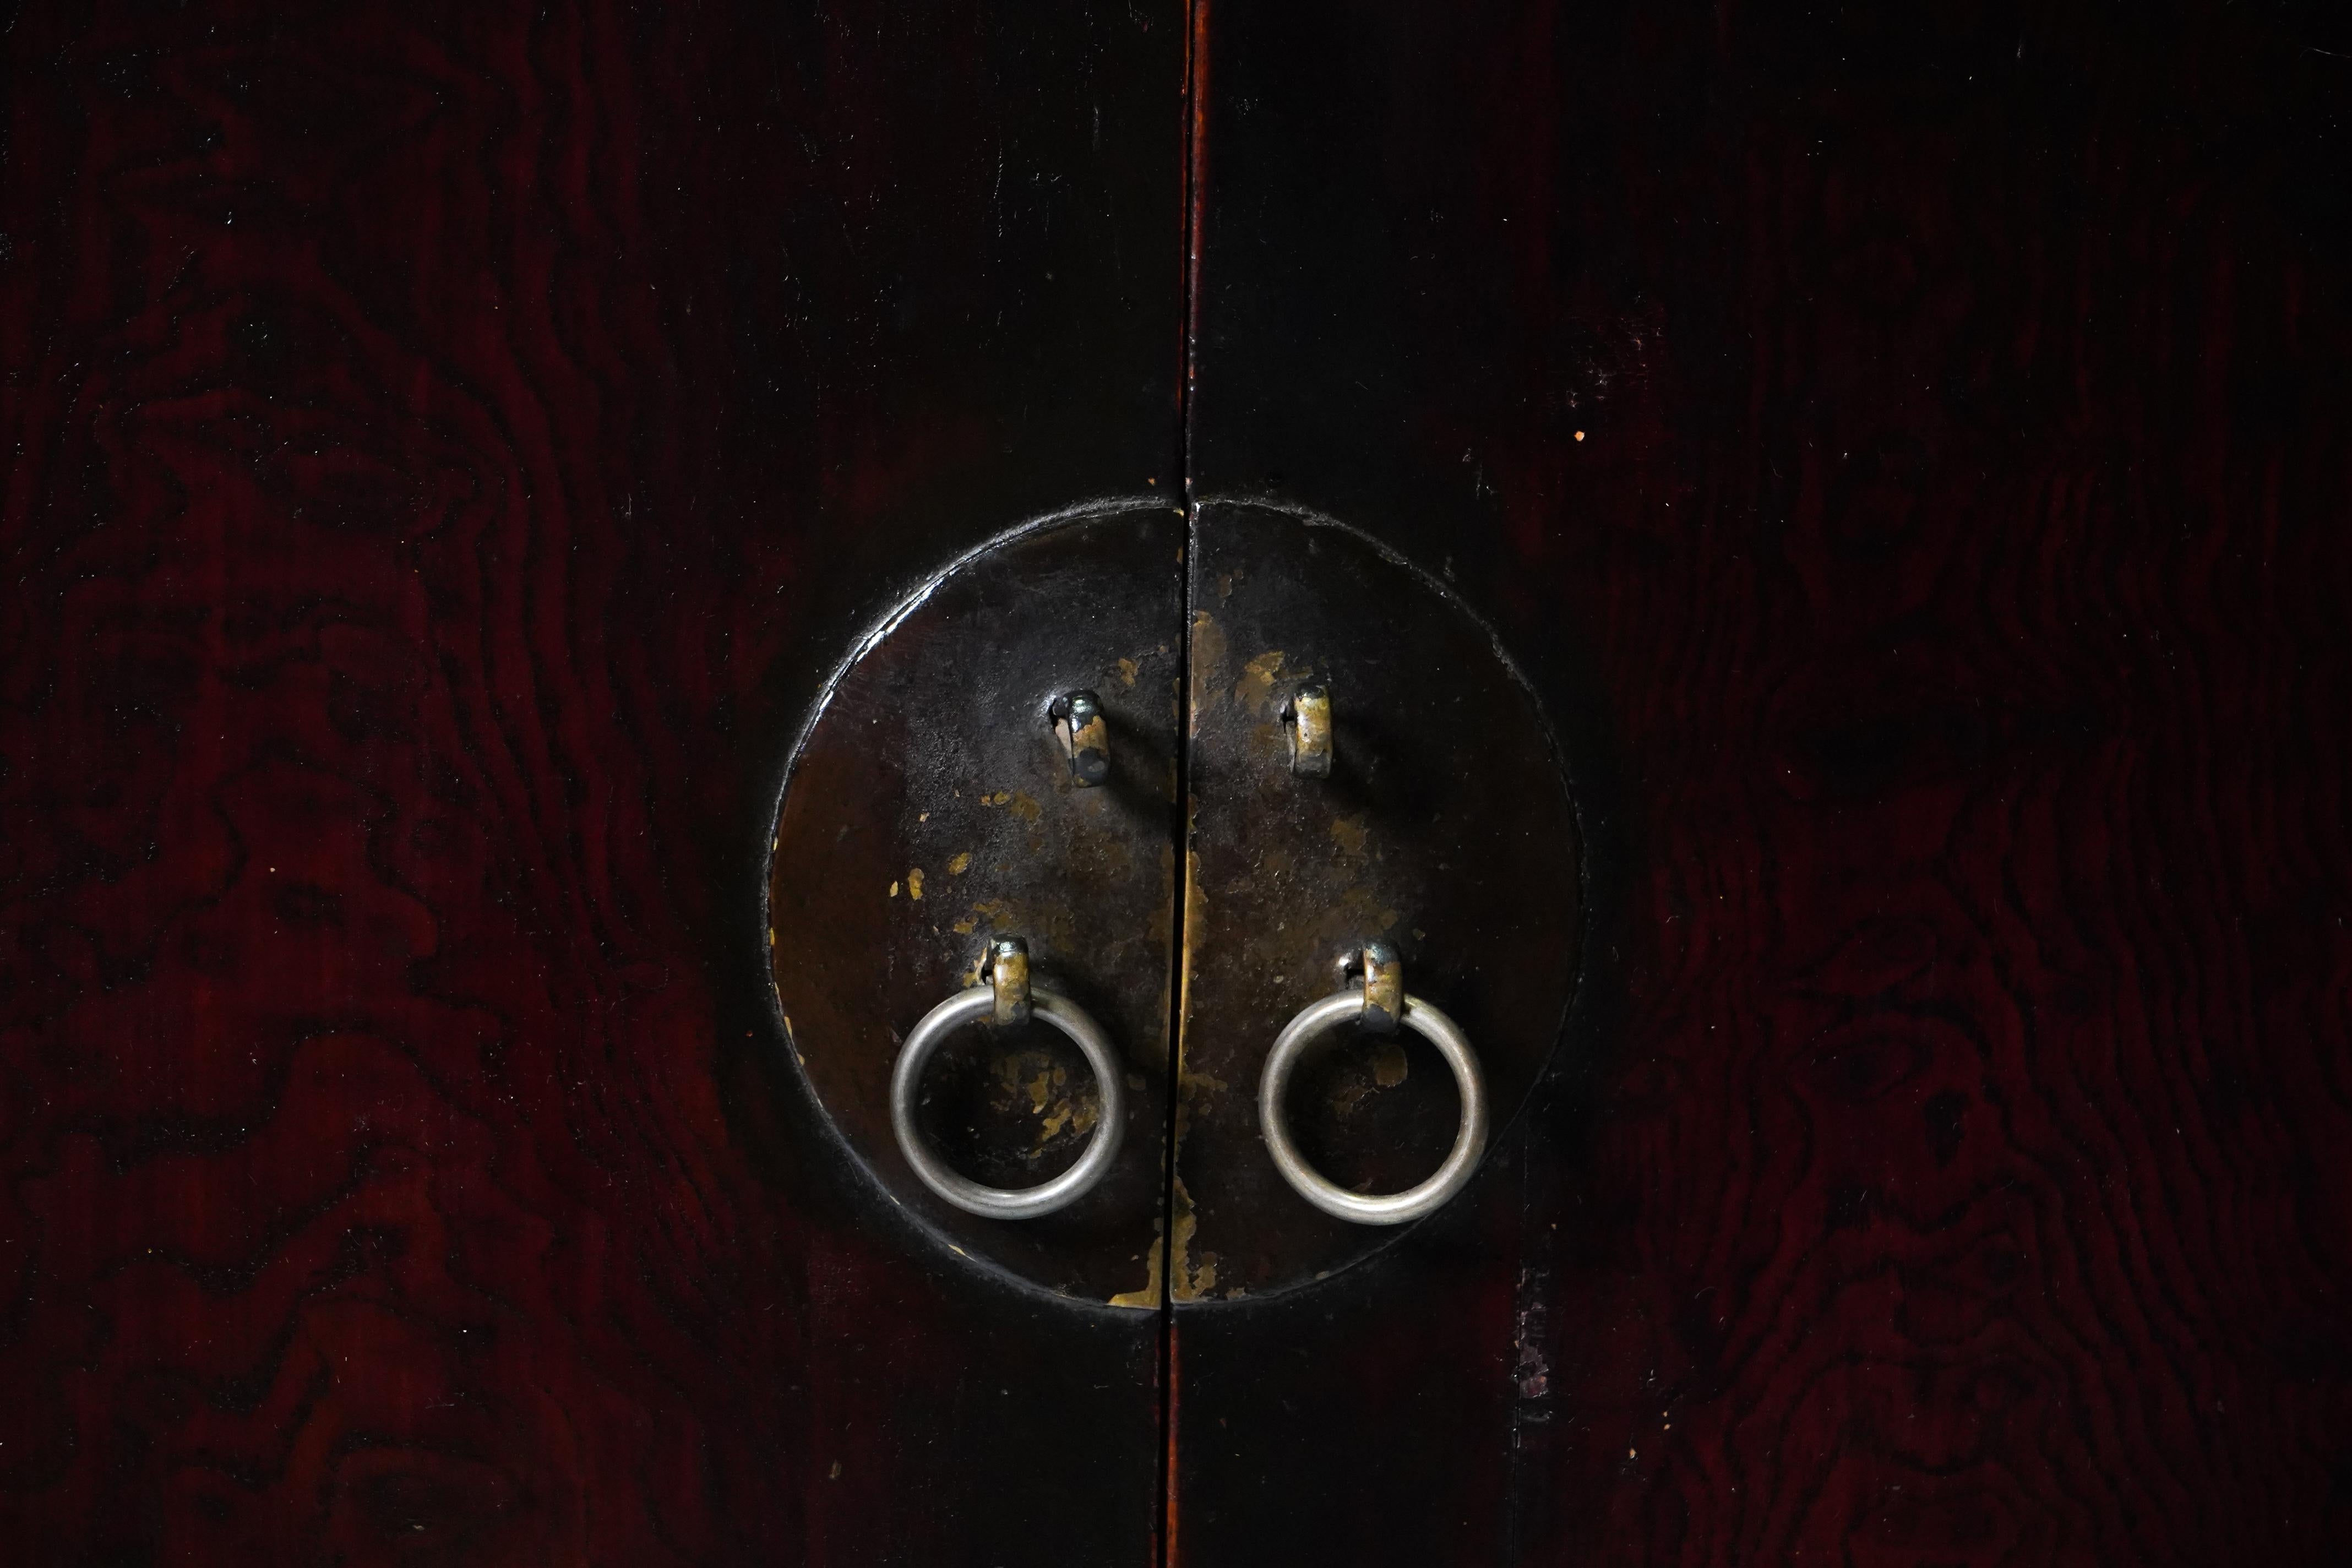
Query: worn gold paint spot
1032,1081
915,884
1044,1085
1255,687
1026,808
1389,1066
999,798
1193,1277
1127,668
1148,1297
962,863
1196,931
1349,832
1074,1114
995,913
1189,1278
894,889
1189,1084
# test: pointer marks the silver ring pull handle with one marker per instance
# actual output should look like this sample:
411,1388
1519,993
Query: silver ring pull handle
1008,997
1379,1001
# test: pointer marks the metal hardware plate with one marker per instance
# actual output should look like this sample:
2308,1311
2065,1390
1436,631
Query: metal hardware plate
930,807
1369,778
1443,828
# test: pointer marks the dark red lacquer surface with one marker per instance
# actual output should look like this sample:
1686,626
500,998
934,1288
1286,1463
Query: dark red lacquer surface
1917,444
445,449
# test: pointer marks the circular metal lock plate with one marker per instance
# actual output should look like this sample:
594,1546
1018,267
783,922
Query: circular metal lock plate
930,807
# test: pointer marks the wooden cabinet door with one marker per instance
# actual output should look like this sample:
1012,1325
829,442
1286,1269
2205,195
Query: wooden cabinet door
448,449
1907,446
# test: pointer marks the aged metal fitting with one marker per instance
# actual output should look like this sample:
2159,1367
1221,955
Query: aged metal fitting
1085,734
1307,718
972,1005
1320,1018
1377,970
1006,970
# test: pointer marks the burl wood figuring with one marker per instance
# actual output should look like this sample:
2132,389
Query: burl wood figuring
1912,449
450,448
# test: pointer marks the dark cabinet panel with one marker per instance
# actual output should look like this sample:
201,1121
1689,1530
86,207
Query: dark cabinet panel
452,450
448,449
1907,449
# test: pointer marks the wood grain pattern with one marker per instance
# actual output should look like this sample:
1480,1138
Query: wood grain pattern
1913,448
447,445
447,448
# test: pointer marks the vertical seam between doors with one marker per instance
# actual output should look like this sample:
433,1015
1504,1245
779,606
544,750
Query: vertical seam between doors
1195,113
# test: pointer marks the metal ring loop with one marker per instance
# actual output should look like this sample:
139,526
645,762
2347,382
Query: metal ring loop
1008,1203
1392,1208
